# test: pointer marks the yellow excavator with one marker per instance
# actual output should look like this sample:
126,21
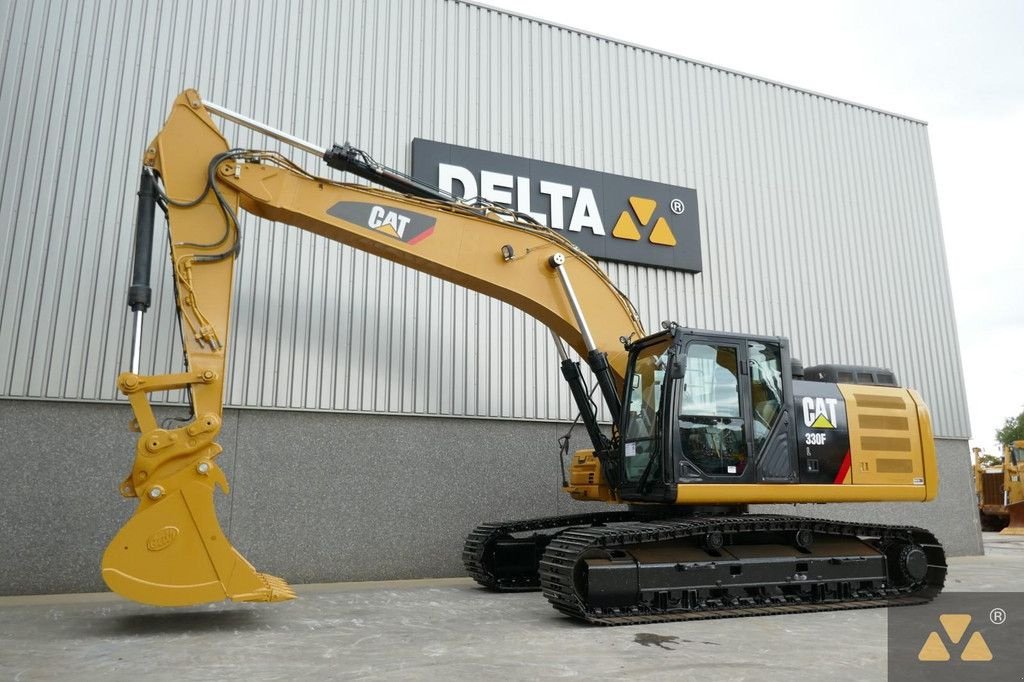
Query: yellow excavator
704,423
1000,490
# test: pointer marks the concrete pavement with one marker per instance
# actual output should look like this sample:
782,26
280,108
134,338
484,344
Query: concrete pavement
444,629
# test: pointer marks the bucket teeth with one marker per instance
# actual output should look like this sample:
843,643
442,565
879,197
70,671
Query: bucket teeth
274,589
279,589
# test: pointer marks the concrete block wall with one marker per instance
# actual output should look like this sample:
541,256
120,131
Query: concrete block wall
322,497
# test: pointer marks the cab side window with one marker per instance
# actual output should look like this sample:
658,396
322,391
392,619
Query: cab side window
765,388
711,425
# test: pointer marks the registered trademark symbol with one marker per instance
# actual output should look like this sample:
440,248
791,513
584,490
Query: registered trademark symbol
997,616
677,206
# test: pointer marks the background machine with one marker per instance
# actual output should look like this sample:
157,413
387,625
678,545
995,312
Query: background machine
1000,490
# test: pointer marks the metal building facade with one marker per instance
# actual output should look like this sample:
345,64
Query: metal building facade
819,219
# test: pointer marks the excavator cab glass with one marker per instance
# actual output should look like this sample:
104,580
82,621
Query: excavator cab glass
641,433
712,432
767,391
699,408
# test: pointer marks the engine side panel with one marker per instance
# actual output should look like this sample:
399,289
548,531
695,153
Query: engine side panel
885,436
858,434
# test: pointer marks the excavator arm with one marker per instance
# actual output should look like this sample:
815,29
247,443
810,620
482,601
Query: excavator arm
173,551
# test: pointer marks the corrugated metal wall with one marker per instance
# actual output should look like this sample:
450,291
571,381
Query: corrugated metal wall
819,218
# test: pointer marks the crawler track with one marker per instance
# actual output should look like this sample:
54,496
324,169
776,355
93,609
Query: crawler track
478,554
623,568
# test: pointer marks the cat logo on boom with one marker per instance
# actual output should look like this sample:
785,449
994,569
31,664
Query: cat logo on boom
402,224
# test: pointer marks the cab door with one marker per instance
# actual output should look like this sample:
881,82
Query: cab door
733,412
712,413
644,466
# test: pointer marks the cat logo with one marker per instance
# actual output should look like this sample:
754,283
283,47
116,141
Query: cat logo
391,221
955,625
407,226
625,227
820,413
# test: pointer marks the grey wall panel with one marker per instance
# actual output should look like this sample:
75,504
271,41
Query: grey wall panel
819,218
335,497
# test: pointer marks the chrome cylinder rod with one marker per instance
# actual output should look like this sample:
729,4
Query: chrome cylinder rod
265,129
136,341
557,262
562,354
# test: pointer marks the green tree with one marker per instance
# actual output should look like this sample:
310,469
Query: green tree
990,460
1013,429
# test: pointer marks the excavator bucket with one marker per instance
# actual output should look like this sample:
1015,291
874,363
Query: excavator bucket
172,552
1016,525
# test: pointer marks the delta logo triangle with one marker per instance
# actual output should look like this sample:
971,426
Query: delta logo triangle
643,209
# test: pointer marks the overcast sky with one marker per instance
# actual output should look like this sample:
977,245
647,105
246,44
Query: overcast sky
957,65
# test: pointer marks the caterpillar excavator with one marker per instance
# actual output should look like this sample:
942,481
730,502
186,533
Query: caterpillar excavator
704,423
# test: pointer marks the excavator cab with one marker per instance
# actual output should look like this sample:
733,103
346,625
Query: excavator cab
712,419
704,407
